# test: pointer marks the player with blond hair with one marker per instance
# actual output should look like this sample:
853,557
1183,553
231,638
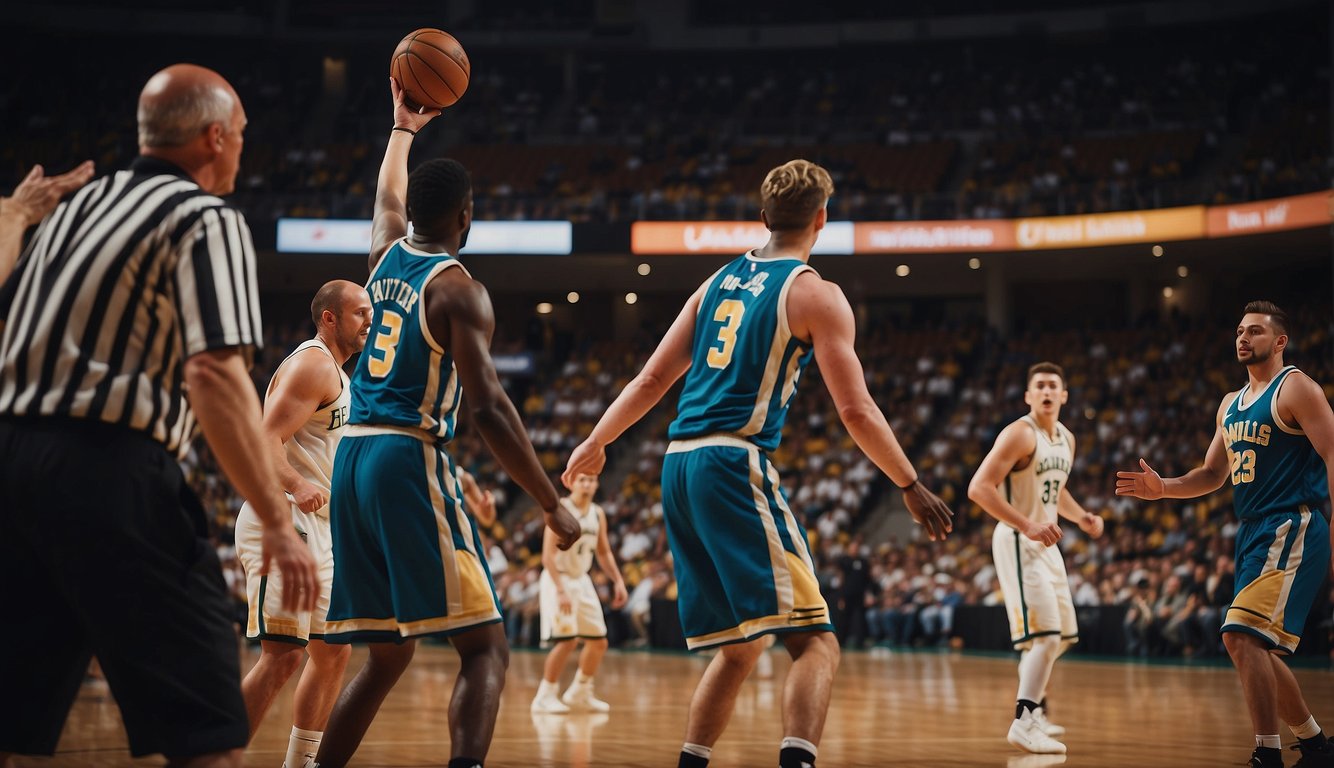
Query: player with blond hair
742,564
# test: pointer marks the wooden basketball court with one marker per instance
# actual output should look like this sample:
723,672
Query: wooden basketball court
918,709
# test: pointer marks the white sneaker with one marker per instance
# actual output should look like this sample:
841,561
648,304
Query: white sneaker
1026,734
546,703
580,696
1047,726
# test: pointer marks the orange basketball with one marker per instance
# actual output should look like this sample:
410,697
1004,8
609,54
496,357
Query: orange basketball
432,68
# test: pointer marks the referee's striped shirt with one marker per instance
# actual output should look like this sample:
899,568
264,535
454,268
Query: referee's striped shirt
120,284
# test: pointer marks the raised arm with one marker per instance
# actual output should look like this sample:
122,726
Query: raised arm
391,188
607,562
1014,445
1204,479
304,383
667,364
818,310
33,199
459,309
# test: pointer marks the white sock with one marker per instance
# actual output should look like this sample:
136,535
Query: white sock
1035,668
301,747
1272,742
698,750
582,679
793,741
548,688
1307,730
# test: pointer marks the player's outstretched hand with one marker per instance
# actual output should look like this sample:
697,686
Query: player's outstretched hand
405,117
38,194
1045,534
283,549
929,511
1144,485
588,459
563,524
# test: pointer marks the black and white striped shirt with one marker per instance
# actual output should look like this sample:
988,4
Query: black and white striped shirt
120,284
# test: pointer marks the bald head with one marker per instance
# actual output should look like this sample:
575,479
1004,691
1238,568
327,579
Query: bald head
180,102
332,296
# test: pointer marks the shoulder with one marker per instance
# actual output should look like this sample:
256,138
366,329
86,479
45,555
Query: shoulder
1227,402
453,290
813,302
1297,385
1019,436
310,369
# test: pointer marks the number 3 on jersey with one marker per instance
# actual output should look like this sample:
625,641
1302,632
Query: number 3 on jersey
386,341
729,313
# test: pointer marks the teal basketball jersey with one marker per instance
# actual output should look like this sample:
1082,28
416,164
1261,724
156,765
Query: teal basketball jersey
405,378
745,362
1273,466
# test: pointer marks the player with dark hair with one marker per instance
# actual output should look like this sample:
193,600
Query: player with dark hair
1022,483
1274,439
409,557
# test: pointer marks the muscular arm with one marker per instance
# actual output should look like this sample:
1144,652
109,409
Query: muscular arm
459,309
1302,400
1014,444
390,218
227,407
1206,478
307,381
667,364
818,310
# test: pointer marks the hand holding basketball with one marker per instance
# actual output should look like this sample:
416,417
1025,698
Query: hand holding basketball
405,116
431,67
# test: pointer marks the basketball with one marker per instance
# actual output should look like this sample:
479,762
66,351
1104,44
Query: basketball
432,68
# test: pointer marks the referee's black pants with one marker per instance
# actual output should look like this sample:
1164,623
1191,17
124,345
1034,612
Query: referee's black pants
104,551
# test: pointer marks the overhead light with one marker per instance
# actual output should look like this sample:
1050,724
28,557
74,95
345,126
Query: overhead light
1182,271
1157,250
1167,292
631,298
544,308
644,269
974,263
902,270
572,297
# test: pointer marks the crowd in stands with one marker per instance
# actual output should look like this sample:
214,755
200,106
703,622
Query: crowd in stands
976,129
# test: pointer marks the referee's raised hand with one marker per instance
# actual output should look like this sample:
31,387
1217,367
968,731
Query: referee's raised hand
285,551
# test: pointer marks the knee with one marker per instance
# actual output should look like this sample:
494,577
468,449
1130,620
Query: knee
742,654
286,659
600,644
1239,644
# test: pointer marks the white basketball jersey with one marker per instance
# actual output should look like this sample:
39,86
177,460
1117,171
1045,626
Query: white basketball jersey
578,560
311,450
1033,490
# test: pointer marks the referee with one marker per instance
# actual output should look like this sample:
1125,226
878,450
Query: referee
129,320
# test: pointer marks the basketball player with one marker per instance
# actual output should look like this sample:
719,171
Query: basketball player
305,413
1275,442
410,561
742,566
1022,483
570,607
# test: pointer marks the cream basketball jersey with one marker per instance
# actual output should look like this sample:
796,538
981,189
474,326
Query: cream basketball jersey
1033,490
578,560
311,450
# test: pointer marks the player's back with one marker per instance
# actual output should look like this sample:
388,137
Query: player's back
405,378
745,361
1273,466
